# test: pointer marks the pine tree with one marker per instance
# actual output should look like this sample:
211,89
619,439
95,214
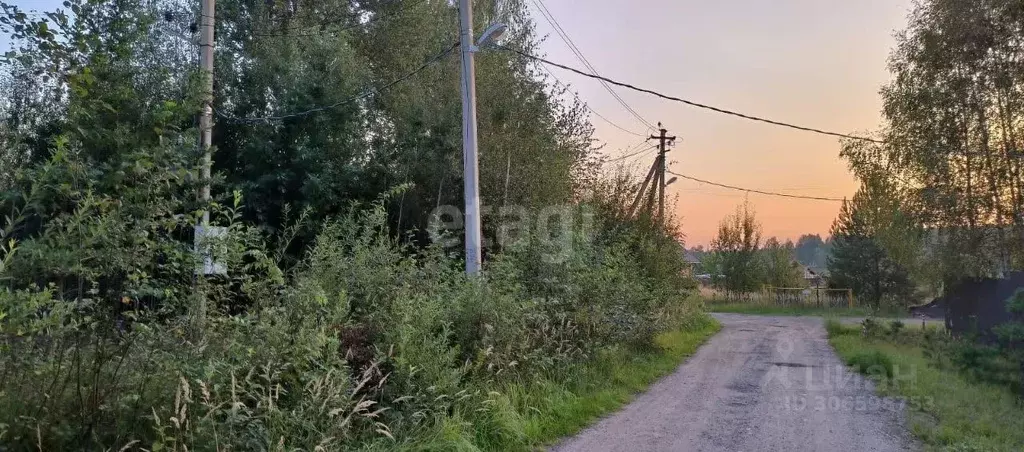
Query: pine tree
858,261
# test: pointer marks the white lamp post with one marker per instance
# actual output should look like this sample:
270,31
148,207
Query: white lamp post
469,139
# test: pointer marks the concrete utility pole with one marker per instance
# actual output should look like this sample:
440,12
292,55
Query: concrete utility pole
206,21
469,139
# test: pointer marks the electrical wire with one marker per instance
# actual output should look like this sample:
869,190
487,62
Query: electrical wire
750,190
689,102
609,121
641,151
550,18
364,94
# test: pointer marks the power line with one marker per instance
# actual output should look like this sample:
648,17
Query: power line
364,94
550,18
750,190
641,151
579,54
609,121
690,102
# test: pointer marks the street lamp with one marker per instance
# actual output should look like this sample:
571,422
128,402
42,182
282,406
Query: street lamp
470,165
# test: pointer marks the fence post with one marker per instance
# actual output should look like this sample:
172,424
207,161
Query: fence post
849,294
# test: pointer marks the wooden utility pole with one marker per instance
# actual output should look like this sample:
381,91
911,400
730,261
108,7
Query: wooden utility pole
655,177
206,20
643,188
661,165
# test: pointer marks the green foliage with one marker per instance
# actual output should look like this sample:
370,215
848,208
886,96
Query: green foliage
1015,304
363,342
334,329
1011,335
870,327
737,245
779,265
952,130
835,327
895,328
874,363
858,261
946,409
812,251
740,263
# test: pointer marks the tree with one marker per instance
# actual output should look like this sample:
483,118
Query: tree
951,145
778,264
812,251
859,261
284,63
736,248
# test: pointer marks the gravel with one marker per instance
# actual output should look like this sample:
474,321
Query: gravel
761,384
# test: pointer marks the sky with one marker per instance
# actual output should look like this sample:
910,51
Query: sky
818,63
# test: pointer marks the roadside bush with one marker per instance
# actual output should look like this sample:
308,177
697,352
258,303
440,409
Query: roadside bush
1011,337
873,363
835,328
109,340
871,327
895,328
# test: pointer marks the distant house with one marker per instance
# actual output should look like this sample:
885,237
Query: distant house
693,264
815,277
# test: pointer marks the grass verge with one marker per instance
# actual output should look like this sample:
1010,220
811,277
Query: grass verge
531,414
945,409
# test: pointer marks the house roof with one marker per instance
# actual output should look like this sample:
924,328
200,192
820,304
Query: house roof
691,257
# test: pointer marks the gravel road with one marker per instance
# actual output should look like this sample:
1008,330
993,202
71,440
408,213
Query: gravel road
761,384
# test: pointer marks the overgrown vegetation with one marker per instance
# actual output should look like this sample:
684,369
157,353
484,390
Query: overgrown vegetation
941,199
739,262
959,395
948,158
337,323
859,261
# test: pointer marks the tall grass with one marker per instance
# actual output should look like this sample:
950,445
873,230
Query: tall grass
526,414
946,409
109,341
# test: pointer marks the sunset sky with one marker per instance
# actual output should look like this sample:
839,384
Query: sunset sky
818,63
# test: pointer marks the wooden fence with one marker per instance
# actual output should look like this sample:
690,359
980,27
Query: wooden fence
790,296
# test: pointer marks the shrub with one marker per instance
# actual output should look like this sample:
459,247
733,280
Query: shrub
363,342
873,363
836,328
895,328
870,327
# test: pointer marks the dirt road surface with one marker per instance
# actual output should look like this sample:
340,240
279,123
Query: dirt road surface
761,384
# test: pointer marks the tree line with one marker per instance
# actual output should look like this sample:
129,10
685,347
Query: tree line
739,260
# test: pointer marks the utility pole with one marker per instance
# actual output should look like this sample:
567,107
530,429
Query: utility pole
661,165
203,230
470,166
655,177
206,20
643,188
